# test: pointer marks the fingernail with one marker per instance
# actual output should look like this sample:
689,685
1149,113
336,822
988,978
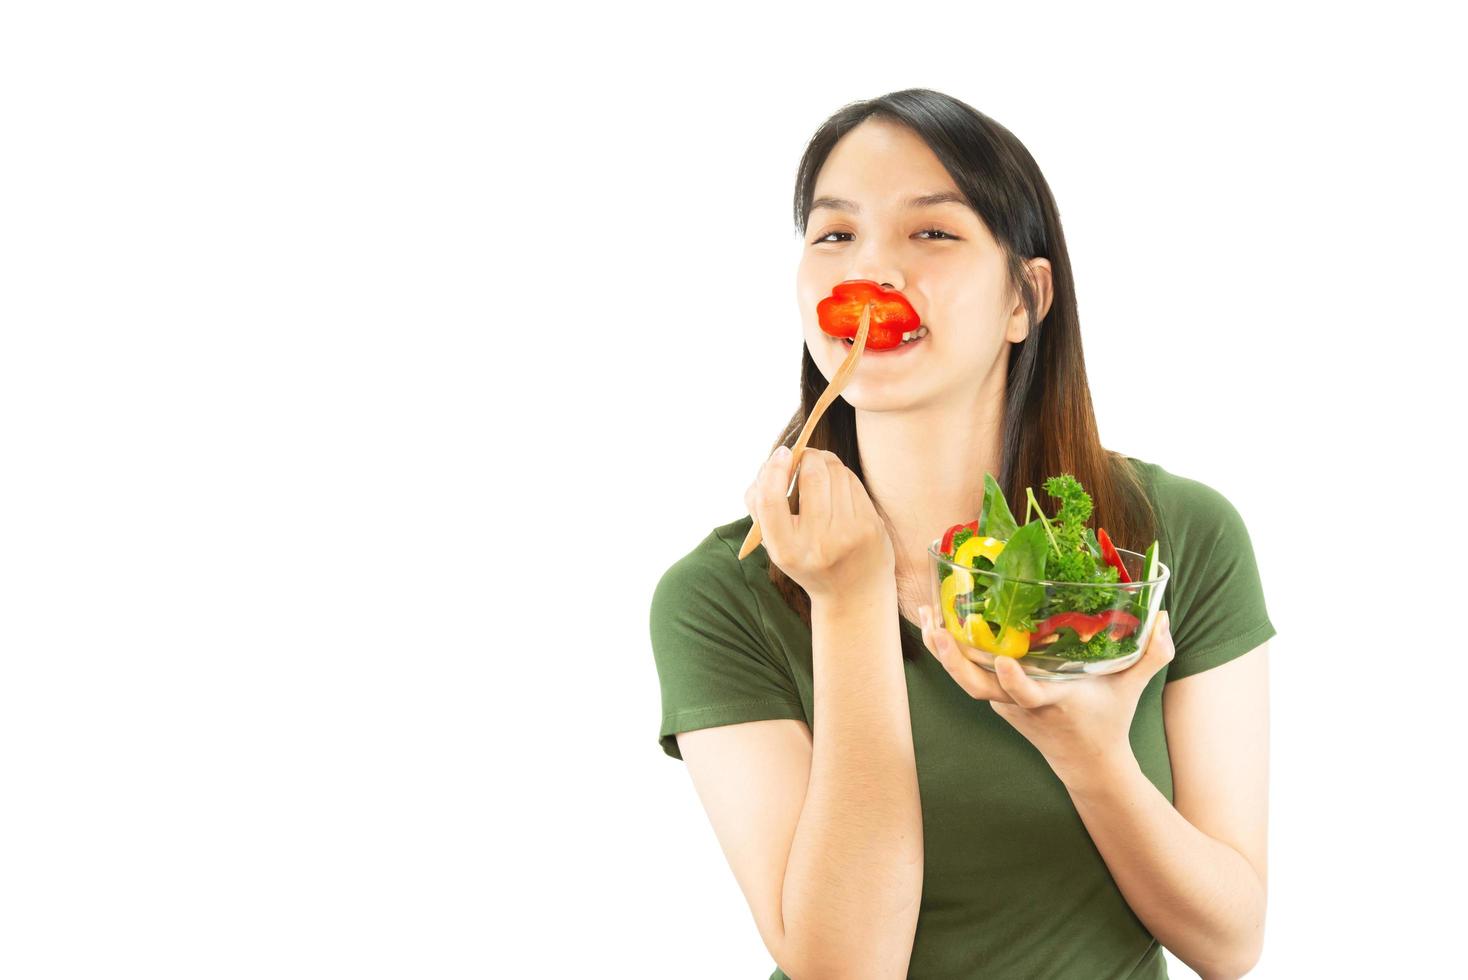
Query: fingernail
782,453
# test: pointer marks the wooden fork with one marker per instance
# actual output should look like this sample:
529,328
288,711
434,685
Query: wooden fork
843,375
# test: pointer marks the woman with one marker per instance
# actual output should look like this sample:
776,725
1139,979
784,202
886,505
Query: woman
891,811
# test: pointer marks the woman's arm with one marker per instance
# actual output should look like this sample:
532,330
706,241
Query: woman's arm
757,782
854,879
1194,871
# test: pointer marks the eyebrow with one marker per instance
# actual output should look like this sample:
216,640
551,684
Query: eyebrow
921,201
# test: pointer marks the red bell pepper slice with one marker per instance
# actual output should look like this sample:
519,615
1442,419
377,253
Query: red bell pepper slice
1109,555
1086,625
948,534
1120,623
892,315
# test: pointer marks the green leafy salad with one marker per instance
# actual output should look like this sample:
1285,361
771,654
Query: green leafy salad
1007,612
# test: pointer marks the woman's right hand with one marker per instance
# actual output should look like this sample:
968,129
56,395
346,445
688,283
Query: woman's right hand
837,545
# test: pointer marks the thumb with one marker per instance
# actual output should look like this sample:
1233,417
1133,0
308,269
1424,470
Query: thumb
1160,649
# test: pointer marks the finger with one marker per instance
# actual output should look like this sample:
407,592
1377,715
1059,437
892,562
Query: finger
977,682
856,497
815,495
769,505
1022,689
843,514
1156,655
1160,648
752,492
862,507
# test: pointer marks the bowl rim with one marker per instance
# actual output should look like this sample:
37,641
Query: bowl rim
1164,572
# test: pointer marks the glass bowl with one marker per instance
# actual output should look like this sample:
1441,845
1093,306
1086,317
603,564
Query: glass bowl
1084,628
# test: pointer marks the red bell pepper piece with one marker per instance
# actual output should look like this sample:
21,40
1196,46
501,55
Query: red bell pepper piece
892,315
1120,623
948,534
1109,555
1086,625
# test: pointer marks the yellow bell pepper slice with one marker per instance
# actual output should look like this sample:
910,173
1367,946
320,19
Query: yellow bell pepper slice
959,581
1009,643
975,547
973,630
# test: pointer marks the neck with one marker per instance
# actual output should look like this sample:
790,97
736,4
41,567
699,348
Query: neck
925,467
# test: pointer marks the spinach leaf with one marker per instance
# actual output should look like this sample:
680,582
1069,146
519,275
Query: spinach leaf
996,521
1010,603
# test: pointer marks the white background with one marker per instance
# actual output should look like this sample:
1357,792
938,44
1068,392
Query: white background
364,365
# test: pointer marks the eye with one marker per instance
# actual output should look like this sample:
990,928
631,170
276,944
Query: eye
825,239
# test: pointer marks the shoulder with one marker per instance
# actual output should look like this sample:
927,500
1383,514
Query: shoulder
718,550
1215,597
717,661
710,571
1189,510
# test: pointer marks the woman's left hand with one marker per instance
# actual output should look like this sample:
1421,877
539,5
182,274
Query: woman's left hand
1077,725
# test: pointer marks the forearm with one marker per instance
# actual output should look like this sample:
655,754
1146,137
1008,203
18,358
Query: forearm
1197,895
853,879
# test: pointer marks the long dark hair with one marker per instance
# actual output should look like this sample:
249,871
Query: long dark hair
1049,422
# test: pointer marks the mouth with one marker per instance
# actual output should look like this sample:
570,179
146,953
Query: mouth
909,339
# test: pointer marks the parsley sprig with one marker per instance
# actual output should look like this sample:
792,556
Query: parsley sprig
1071,558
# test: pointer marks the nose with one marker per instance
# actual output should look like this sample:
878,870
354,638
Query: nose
887,275
887,280
877,261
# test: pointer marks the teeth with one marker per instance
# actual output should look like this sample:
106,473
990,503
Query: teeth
908,337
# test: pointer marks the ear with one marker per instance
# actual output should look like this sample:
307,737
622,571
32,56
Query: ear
1042,276
1039,272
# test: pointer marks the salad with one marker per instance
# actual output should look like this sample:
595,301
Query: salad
1020,604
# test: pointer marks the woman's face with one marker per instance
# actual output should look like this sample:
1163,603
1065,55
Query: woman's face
939,255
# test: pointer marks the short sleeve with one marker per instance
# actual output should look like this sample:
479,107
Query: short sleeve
715,663
1215,598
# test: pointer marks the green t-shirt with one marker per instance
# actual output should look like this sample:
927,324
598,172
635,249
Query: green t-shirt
1013,885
